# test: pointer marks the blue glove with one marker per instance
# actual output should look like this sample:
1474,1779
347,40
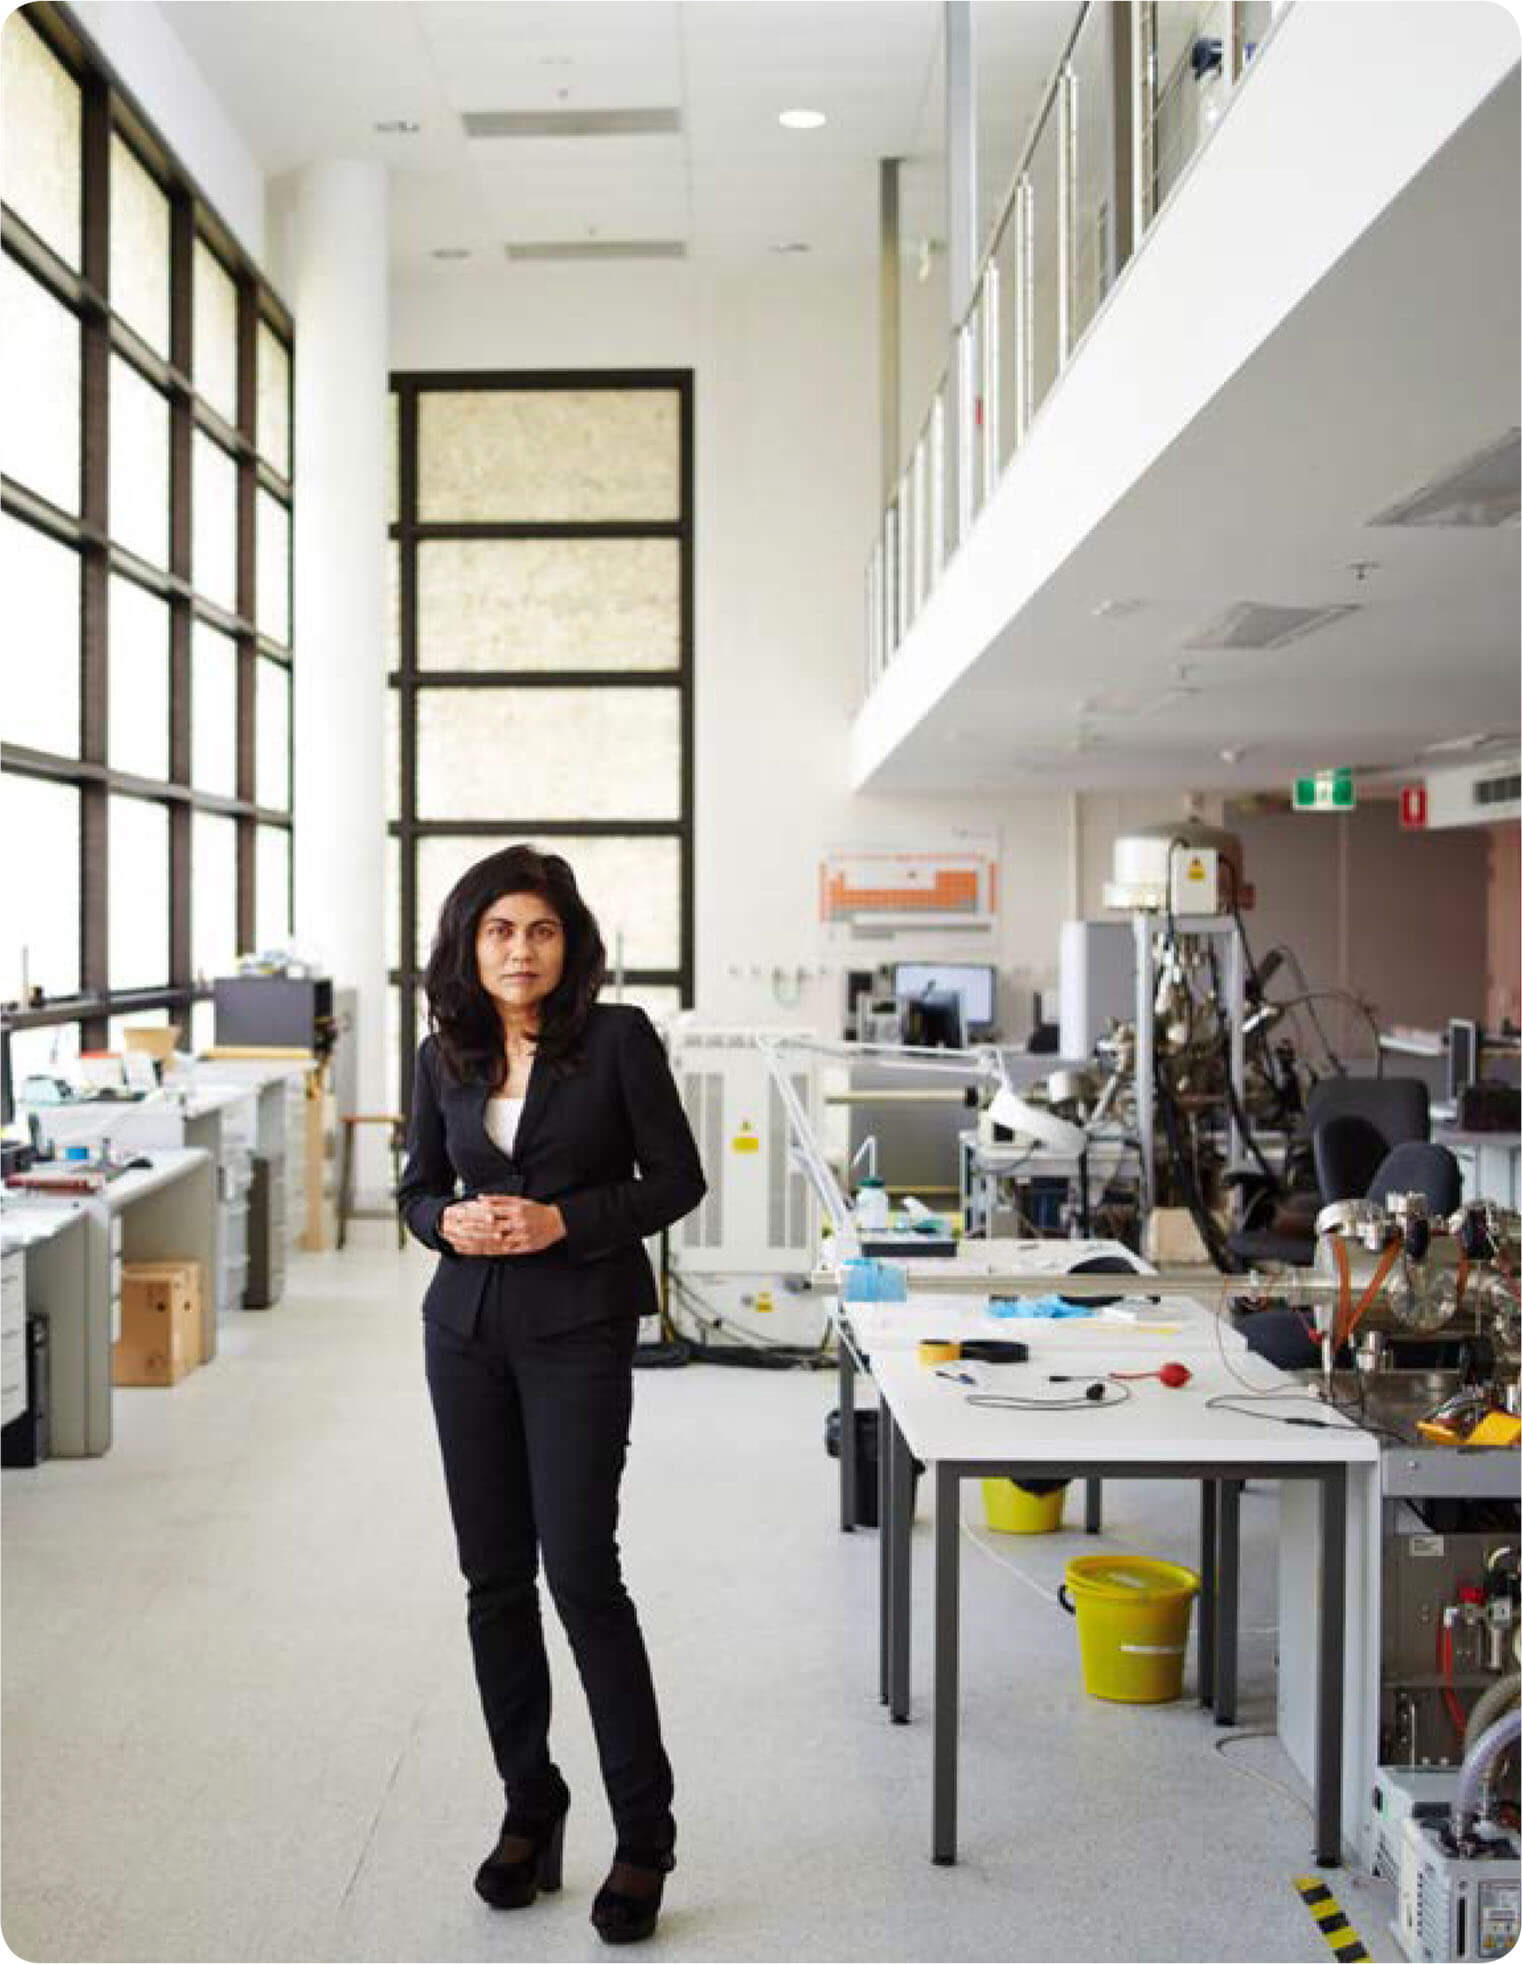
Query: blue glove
1030,1308
874,1282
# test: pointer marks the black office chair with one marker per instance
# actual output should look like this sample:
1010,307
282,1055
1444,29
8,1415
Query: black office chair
1348,1152
1417,1167
1397,1109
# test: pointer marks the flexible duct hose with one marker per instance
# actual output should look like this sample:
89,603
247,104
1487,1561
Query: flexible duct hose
1478,1760
1489,1707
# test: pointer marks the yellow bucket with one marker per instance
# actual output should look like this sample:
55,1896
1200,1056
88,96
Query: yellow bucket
1133,1625
1012,1510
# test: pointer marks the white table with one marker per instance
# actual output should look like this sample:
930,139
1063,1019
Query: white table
1158,1434
74,1242
974,1259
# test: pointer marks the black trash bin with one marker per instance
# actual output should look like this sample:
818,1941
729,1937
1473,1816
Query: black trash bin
866,1463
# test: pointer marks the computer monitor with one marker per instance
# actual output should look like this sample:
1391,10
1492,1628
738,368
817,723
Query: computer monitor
933,1021
1463,1057
973,982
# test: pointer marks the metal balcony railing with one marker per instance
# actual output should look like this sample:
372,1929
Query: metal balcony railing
1136,94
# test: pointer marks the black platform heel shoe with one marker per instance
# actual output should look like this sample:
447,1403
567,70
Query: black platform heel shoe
525,1860
628,1914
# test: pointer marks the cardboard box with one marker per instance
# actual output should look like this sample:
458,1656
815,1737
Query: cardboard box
158,1040
1172,1240
161,1323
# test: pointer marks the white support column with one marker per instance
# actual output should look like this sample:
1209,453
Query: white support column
338,294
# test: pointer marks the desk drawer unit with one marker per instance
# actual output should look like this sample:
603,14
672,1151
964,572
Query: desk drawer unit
13,1295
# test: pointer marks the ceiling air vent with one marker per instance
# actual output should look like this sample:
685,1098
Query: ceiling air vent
1256,624
600,249
572,122
1484,490
1498,790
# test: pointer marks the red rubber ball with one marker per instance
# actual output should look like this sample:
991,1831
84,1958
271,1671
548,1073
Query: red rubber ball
1175,1374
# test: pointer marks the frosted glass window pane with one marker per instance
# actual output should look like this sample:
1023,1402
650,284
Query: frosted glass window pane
137,729
41,158
272,732
214,522
213,711
272,547
51,1051
549,454
41,387
39,649
393,1076
213,895
633,885
549,753
139,464
272,880
39,923
274,385
549,603
139,247
214,328
393,754
137,894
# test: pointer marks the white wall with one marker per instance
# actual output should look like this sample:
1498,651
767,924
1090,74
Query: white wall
786,498
151,61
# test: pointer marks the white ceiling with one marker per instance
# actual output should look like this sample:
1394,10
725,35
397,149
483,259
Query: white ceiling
302,81
1402,363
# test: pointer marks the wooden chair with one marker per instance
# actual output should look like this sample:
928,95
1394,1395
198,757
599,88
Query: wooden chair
347,1211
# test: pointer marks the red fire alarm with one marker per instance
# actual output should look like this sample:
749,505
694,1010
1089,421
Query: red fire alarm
1413,807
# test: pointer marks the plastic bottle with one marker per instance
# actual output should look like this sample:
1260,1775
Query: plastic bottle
872,1206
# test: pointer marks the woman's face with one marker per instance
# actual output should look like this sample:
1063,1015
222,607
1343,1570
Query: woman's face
520,950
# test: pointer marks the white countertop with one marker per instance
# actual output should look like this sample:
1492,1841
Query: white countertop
1161,1330
1155,1424
29,1218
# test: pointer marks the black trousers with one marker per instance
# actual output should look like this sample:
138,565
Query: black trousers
533,1431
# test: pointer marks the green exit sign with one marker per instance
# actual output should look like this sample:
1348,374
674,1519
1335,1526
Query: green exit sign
1325,791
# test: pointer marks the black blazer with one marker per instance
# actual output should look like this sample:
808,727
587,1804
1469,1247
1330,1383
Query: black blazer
580,1137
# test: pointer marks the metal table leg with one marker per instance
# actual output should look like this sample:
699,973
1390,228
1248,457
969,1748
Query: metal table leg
948,1511
902,1499
1206,1649
1228,1525
846,1375
1329,1665
884,1544
1093,1505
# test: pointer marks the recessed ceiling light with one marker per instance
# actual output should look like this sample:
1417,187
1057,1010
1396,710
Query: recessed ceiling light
803,119
451,252
1117,610
790,245
397,126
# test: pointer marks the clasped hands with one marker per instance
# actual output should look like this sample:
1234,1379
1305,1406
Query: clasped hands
501,1224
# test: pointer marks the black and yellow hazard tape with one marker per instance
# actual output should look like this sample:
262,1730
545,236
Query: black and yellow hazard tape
1342,1939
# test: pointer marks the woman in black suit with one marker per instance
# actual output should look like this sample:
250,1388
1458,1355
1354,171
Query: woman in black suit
532,1106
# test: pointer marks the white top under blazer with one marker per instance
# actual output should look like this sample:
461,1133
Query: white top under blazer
502,1116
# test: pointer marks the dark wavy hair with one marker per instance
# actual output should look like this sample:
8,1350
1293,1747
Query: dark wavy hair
462,1015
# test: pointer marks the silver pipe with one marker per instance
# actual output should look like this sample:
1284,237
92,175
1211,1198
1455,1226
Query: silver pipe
1491,1703
1478,1759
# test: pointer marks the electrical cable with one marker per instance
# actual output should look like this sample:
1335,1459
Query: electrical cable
1283,948
1264,1779
1084,1404
1341,995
